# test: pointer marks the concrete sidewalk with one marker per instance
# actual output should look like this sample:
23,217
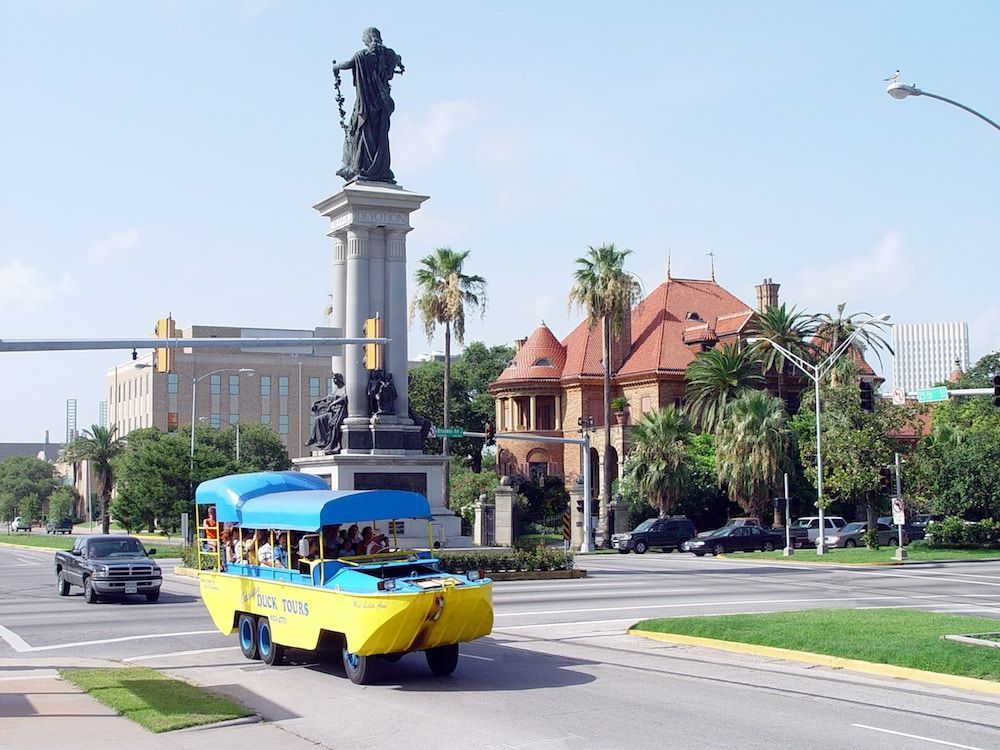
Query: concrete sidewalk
39,709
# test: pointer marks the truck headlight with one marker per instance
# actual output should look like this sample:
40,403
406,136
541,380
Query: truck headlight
157,572
626,537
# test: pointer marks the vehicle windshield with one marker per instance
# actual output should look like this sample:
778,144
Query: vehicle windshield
724,531
852,527
645,525
802,523
116,548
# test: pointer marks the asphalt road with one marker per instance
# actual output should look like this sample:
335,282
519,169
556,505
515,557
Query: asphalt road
558,670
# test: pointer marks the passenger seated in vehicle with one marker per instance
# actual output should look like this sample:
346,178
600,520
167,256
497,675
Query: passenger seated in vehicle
331,542
280,553
371,543
250,555
211,531
265,552
352,542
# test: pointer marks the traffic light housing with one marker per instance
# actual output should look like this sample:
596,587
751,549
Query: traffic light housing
885,480
867,396
579,507
373,352
996,391
491,434
165,329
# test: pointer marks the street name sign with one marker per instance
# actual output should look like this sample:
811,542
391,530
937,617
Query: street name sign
450,432
927,395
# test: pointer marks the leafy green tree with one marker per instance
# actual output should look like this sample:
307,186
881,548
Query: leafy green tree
475,368
659,464
62,505
606,292
31,509
958,476
716,377
152,480
466,487
21,476
787,328
98,445
444,292
753,450
261,448
8,507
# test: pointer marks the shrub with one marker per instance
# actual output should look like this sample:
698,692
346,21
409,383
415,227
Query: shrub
870,539
514,560
189,556
954,532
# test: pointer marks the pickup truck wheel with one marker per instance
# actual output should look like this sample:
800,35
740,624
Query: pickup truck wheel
89,594
358,668
640,548
443,659
623,550
271,653
247,630
62,585
768,547
152,596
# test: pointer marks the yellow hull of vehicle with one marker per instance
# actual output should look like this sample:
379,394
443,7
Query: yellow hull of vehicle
380,623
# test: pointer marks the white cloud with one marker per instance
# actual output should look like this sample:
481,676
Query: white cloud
984,333
418,143
114,245
497,151
25,290
859,280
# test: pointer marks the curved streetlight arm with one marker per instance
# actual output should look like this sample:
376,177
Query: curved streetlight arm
902,90
828,363
806,367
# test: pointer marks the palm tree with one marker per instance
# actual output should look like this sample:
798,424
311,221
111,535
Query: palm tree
606,292
98,445
787,328
835,330
658,453
753,449
443,293
715,378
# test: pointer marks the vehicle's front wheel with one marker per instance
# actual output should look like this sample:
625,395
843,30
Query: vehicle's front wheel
89,593
680,544
850,543
248,636
623,550
699,554
271,653
768,547
152,596
640,547
358,668
62,585
443,659
718,549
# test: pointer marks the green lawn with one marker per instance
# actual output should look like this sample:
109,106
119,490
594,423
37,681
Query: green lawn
155,701
915,553
63,541
901,637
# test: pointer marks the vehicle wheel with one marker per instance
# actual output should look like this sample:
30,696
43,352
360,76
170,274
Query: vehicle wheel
623,550
639,547
152,596
247,630
358,668
392,658
893,541
768,547
680,544
89,594
699,554
271,653
443,659
718,549
850,543
62,585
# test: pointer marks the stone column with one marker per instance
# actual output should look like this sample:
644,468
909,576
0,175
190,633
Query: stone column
575,516
338,298
357,310
531,413
558,401
503,530
396,350
498,409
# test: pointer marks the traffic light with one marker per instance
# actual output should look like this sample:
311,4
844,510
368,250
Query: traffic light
996,391
165,329
885,480
867,396
579,507
491,434
373,352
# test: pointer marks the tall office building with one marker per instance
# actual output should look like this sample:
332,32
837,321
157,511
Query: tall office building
925,353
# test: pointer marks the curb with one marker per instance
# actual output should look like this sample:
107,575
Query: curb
824,563
533,575
823,660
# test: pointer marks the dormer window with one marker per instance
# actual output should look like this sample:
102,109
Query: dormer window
543,362
692,316
512,364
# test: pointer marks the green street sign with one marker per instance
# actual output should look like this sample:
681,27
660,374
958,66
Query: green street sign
450,432
927,395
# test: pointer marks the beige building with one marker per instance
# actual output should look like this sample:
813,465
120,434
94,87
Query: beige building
279,392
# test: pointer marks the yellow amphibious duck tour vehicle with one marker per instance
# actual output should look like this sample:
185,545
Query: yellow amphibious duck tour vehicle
378,605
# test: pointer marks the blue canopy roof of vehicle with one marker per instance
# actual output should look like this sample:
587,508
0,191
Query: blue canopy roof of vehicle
301,502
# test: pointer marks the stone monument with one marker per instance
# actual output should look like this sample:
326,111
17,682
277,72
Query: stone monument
380,444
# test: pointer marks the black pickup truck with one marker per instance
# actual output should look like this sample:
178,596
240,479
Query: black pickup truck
108,566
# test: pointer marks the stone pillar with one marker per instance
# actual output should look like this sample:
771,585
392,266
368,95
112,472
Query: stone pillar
357,311
480,534
498,410
503,519
531,413
575,516
396,350
338,297
558,402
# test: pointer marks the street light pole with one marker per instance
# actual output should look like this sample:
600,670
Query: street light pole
816,373
902,90
194,400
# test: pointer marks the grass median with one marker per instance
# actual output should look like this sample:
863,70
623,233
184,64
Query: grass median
901,637
64,542
916,552
157,702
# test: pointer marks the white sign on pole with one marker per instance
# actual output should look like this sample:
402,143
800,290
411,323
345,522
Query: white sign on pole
898,512
433,432
898,396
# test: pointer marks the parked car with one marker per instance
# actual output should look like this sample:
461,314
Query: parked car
805,531
666,533
735,539
20,524
918,529
64,526
112,565
909,530
850,535
742,521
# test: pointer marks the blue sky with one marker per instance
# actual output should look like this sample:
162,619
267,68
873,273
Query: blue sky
164,157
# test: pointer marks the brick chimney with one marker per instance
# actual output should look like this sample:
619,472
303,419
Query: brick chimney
767,295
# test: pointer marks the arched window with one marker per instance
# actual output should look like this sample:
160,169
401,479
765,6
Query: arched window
543,362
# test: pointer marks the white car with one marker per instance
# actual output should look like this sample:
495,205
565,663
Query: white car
18,525
806,530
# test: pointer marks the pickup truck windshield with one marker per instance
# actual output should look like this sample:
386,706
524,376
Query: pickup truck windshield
116,548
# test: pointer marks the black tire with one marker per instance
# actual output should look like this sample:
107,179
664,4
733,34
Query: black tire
623,550
359,669
443,659
640,548
768,547
718,549
392,658
850,543
89,594
271,653
680,544
246,630
699,554
62,585
152,596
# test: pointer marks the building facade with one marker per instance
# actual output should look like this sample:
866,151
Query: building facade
279,392
927,353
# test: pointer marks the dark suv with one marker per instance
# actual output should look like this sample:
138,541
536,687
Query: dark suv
666,533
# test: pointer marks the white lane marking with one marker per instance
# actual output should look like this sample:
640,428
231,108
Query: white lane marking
15,641
40,674
564,624
917,737
479,658
928,577
193,652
